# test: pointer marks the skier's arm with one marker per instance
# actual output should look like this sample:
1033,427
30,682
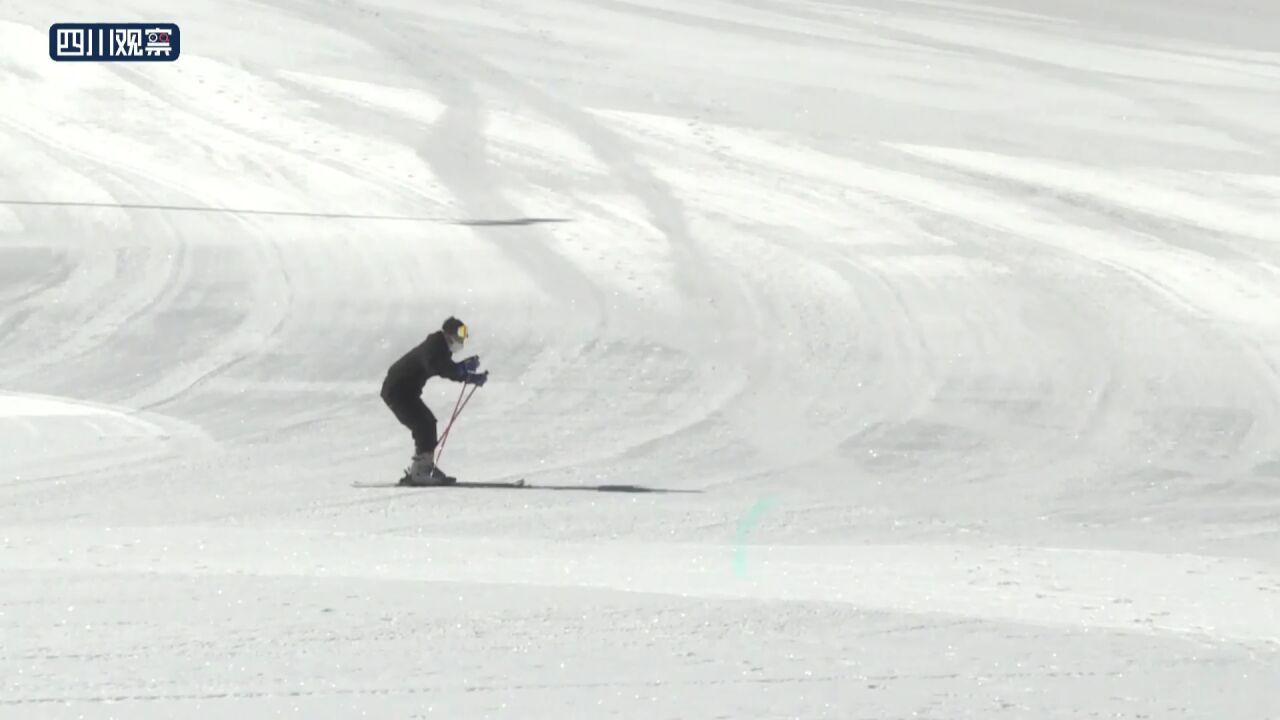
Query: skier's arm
464,371
440,364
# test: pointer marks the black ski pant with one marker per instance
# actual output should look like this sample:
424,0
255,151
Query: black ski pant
415,415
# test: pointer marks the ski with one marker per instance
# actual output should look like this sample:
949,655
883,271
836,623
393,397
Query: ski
461,484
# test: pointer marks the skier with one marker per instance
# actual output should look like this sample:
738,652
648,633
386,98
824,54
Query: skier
402,392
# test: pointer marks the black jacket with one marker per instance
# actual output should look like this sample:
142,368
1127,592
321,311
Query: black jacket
431,358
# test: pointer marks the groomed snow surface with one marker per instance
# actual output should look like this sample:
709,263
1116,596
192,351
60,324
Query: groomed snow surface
872,359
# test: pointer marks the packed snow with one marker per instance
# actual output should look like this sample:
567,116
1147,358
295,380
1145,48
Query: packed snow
873,359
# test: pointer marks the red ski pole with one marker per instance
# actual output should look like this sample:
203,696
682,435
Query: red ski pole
457,407
457,410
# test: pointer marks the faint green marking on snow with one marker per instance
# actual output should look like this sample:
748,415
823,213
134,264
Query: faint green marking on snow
745,524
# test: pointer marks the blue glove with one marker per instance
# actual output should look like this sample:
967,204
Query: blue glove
470,365
478,379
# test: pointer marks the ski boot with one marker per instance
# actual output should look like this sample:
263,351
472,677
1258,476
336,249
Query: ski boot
424,473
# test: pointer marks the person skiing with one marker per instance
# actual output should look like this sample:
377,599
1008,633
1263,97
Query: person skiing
402,392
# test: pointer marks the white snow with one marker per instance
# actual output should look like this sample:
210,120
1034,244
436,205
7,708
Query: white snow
878,359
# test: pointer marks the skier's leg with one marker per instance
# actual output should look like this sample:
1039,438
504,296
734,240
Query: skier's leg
426,440
421,422
414,415
423,426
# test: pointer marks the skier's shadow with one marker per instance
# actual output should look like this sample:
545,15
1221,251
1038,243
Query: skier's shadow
572,488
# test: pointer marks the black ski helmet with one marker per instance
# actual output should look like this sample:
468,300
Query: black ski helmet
455,330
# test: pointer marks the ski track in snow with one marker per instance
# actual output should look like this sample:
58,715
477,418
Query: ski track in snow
981,297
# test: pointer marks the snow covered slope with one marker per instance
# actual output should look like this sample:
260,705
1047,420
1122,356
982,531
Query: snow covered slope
868,359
